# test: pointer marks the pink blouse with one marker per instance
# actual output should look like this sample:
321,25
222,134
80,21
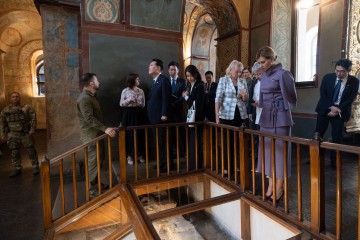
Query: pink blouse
132,97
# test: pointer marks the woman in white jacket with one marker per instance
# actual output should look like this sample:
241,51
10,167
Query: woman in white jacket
230,105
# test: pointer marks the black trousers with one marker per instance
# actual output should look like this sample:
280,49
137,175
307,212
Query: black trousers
236,122
193,145
161,145
337,126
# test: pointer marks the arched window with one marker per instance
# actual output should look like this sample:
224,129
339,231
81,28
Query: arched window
306,40
37,72
40,78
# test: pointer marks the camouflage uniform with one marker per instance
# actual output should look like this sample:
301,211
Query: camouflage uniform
17,125
91,126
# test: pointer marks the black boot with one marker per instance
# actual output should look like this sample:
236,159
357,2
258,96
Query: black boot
15,172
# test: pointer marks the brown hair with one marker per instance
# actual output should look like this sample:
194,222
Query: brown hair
131,80
266,52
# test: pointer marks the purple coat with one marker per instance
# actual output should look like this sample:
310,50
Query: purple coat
277,97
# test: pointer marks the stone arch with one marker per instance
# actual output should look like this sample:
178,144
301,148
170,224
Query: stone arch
228,26
24,58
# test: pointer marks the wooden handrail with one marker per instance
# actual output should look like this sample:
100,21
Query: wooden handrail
122,155
215,157
46,192
317,189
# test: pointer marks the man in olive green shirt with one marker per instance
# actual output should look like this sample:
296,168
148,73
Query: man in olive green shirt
91,124
17,126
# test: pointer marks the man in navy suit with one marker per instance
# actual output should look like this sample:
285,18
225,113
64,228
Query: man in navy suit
337,93
178,86
159,106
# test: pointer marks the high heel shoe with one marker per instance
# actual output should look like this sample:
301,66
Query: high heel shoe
279,198
267,198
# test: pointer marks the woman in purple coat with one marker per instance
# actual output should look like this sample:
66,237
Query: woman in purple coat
277,98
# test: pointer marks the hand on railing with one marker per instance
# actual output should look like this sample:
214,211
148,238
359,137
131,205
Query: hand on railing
111,132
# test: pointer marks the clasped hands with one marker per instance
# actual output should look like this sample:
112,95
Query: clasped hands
334,111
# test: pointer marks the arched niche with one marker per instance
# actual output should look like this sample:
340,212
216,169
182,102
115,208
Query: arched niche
229,39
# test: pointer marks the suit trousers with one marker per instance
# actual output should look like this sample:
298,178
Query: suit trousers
236,122
161,145
337,126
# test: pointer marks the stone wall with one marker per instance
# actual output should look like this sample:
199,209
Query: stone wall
60,31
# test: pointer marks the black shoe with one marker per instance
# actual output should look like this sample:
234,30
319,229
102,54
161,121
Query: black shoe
14,173
36,170
103,186
317,137
279,199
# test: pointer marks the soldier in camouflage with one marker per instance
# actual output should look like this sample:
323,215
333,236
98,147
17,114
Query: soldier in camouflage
17,127
91,125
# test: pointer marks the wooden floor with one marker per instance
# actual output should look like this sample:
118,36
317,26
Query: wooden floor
21,201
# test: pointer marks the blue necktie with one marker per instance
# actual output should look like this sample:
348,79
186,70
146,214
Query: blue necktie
173,84
336,90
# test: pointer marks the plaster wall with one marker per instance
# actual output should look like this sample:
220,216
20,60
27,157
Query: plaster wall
20,36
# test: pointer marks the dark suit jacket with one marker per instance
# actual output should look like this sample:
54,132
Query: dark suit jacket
178,101
347,98
210,102
198,95
250,108
159,100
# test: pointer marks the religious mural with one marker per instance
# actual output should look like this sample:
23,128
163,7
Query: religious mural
202,66
102,11
203,45
202,36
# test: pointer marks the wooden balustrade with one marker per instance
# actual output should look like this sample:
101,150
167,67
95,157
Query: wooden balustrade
218,156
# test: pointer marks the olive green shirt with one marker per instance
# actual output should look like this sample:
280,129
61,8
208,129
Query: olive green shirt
90,115
19,119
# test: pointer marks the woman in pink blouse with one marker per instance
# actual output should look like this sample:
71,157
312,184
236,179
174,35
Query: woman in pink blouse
133,101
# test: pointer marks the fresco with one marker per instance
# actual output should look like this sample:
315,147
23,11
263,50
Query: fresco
202,36
202,66
102,11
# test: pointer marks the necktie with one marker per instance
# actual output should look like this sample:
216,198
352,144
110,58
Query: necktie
336,91
173,84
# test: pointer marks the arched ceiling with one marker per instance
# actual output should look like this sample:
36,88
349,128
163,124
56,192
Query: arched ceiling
222,12
18,25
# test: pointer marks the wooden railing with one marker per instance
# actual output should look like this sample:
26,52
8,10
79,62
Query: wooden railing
227,151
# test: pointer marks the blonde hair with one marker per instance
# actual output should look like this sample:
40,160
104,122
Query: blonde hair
232,65
266,52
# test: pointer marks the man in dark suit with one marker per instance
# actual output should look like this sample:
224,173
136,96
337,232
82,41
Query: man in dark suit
178,86
158,106
210,94
337,93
